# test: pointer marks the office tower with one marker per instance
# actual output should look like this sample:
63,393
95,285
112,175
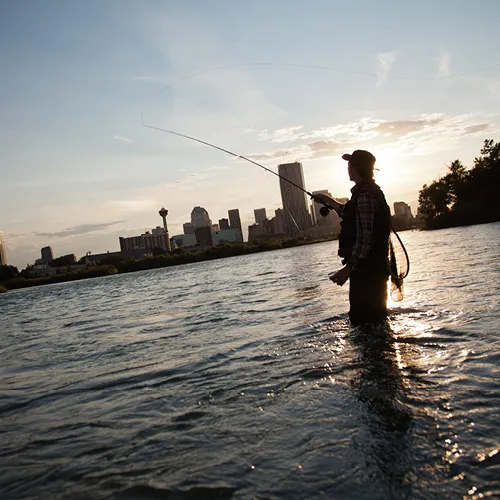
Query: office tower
401,209
204,235
260,215
279,221
235,222
223,224
188,228
47,255
3,258
234,218
200,218
294,200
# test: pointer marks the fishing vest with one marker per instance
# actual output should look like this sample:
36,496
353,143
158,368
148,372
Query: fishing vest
381,224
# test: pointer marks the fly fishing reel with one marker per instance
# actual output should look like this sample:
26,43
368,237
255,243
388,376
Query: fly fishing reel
324,211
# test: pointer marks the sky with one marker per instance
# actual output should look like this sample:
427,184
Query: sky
416,83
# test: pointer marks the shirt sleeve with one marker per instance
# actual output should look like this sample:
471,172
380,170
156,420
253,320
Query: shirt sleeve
365,217
340,209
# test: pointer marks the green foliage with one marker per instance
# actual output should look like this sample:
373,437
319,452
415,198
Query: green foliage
464,196
2,289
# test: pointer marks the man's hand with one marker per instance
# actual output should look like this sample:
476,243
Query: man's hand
341,276
322,198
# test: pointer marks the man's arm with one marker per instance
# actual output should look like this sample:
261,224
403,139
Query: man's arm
324,199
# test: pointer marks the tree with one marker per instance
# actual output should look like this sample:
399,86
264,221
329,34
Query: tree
464,196
434,201
8,272
158,251
456,179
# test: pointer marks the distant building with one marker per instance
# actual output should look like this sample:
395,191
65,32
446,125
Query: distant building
260,215
204,236
331,221
223,224
188,228
234,218
295,205
215,228
200,218
235,221
93,259
3,258
147,241
402,209
47,255
69,259
185,240
279,221
226,236
261,231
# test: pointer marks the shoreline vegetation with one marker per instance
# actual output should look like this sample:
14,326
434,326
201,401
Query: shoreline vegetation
462,197
118,265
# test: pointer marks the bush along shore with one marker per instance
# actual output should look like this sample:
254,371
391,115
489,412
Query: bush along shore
115,265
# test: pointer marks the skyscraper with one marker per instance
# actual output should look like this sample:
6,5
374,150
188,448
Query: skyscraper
294,200
200,217
223,224
47,255
402,209
235,221
260,215
3,258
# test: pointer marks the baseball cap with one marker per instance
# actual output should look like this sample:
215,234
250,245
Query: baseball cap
361,158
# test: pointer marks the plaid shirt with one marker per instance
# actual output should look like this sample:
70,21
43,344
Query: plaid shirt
365,215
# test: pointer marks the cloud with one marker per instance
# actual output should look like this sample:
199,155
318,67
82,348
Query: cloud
422,135
79,230
281,135
131,205
444,64
122,139
385,60
474,129
211,169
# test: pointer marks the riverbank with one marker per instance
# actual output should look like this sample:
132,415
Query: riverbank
118,265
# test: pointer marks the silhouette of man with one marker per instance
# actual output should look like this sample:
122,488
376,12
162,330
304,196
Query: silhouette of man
363,241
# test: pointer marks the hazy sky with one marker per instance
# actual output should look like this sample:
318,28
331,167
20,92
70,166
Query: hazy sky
275,80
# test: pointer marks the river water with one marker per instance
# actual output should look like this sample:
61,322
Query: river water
240,378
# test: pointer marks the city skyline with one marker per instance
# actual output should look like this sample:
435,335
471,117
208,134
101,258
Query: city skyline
79,169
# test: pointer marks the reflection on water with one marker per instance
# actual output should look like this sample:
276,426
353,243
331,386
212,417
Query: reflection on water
240,378
380,386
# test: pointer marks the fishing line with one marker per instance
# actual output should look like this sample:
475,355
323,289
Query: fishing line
236,156
325,68
225,151
400,271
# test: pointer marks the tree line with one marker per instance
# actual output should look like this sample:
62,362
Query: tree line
464,196
11,278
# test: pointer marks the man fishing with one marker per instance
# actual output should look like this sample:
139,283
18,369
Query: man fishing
363,241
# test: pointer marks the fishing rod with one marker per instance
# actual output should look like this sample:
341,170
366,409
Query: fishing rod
324,210
238,156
